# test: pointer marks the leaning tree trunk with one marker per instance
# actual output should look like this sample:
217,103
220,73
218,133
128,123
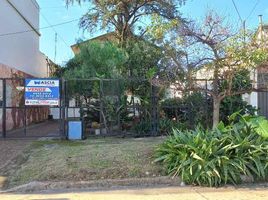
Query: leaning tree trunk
216,111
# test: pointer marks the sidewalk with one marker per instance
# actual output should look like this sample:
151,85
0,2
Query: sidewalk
255,192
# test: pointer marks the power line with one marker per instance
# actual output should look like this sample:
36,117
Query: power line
60,7
46,27
253,9
54,30
237,11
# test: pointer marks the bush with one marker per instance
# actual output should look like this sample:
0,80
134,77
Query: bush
230,105
190,110
195,109
213,158
167,125
143,127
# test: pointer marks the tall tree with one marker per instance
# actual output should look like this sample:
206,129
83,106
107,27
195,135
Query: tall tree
216,52
123,16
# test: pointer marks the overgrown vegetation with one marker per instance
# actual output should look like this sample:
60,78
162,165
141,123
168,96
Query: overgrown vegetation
219,156
196,109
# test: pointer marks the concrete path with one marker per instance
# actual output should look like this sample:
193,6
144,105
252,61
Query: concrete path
174,193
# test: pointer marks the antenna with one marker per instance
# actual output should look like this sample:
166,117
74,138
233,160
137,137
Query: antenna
261,25
56,40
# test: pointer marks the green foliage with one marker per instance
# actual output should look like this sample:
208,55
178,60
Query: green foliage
143,59
124,16
240,81
96,59
217,157
142,128
196,108
234,104
191,110
258,123
161,26
167,125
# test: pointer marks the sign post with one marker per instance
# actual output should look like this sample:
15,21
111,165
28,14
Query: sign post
42,92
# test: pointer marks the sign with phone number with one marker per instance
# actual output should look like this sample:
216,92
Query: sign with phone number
42,92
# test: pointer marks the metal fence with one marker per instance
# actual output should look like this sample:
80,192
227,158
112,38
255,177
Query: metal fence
132,106
111,106
106,107
20,121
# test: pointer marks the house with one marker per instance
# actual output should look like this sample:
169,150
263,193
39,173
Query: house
20,57
102,38
19,39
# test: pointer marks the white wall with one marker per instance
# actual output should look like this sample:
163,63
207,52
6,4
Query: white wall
21,51
252,98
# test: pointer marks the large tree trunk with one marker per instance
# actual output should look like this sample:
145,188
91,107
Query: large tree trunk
216,111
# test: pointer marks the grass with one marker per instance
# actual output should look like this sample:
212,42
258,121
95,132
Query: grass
92,159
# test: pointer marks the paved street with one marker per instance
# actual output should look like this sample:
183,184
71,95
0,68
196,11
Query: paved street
174,193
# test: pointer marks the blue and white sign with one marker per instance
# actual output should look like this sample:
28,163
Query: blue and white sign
42,92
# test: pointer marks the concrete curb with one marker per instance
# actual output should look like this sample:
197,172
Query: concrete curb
94,185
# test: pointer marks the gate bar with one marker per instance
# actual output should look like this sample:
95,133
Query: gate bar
4,109
24,110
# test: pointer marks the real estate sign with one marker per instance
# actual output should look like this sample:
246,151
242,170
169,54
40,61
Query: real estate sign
42,92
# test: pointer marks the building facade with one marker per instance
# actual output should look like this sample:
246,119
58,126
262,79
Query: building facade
19,39
20,57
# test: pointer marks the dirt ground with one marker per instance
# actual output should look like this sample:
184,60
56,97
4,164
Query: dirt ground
9,149
12,147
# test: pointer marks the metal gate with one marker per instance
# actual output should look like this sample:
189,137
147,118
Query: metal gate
20,121
262,95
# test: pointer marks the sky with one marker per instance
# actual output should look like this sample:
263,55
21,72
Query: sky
55,12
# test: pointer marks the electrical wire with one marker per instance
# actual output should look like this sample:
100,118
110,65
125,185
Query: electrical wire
52,27
253,9
59,7
237,11
46,27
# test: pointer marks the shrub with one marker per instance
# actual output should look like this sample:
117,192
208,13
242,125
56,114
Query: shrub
258,123
232,104
213,158
190,110
143,127
167,125
196,108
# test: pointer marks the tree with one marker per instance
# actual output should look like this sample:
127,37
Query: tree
221,53
96,59
143,56
89,80
124,16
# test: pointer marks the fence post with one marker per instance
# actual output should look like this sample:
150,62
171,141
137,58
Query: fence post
154,122
62,107
4,109
207,104
118,105
24,111
102,120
